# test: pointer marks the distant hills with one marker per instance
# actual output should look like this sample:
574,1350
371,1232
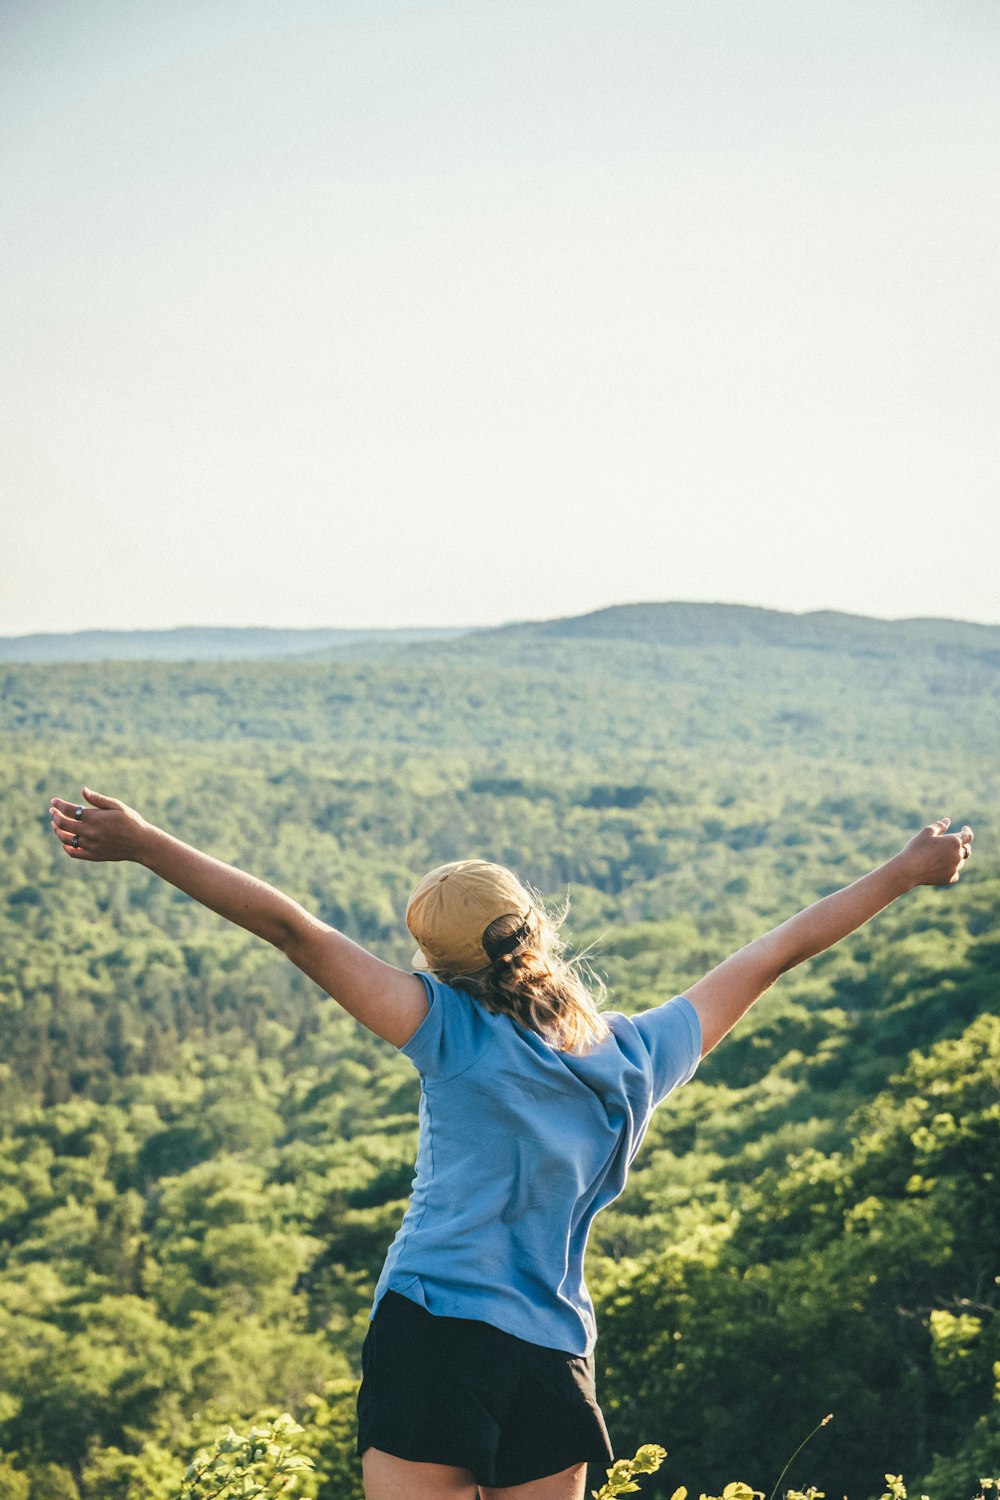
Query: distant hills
203,643
743,625
661,624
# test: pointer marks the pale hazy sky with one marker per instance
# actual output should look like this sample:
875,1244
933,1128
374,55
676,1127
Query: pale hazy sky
367,312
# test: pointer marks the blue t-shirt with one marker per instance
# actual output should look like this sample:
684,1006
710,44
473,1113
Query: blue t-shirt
520,1146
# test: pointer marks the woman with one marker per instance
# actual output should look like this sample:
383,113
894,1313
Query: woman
478,1365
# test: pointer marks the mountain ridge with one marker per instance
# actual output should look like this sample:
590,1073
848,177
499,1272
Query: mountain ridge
659,622
206,643
697,623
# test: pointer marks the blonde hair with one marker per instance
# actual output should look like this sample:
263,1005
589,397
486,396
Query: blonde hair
537,984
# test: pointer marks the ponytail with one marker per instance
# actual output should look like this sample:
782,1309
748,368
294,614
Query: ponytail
531,980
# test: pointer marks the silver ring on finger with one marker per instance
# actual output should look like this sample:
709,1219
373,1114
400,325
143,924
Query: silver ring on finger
75,841
78,813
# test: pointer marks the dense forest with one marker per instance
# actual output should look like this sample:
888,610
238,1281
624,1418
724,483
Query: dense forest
203,1160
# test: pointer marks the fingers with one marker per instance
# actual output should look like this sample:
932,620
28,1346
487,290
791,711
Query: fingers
69,827
67,831
70,842
98,800
963,848
66,820
68,809
79,854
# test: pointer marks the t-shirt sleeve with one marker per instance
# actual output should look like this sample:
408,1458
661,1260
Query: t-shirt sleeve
672,1036
450,1037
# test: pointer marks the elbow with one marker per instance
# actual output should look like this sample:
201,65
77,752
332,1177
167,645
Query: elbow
285,938
295,935
774,960
275,929
791,961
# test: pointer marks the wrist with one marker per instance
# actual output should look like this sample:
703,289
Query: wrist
902,873
148,840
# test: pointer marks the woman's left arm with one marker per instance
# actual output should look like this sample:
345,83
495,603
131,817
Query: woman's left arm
932,857
389,1001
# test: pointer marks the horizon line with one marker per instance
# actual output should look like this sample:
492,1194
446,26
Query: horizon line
469,628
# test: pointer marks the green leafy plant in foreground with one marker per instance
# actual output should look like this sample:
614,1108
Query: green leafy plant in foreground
621,1475
621,1479
264,1463
896,1490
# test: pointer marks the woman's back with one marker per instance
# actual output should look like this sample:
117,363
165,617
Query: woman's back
521,1144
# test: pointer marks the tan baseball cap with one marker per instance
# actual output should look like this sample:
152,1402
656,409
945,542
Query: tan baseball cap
452,907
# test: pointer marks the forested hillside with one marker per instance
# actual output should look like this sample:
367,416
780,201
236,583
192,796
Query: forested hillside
204,1161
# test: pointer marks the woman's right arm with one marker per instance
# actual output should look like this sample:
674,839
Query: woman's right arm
932,857
386,1000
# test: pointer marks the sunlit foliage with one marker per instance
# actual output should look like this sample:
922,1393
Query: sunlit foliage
202,1161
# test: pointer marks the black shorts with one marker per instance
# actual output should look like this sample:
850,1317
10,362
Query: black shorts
455,1391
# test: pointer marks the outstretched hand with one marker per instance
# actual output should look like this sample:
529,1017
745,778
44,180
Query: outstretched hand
936,857
104,830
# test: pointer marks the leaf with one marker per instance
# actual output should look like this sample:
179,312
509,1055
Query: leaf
286,1424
